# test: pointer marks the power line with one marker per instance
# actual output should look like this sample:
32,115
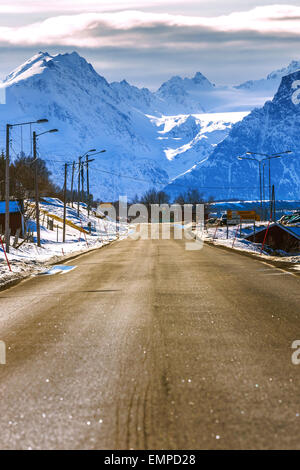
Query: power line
170,182
133,178
165,183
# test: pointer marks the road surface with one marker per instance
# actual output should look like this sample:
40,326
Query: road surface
148,346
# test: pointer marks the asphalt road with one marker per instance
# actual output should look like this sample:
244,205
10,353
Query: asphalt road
148,346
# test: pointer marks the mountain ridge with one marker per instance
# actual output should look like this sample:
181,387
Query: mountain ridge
146,138
264,130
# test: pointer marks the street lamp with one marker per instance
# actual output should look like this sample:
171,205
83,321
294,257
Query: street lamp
80,173
264,191
7,162
87,176
259,161
37,206
270,157
260,182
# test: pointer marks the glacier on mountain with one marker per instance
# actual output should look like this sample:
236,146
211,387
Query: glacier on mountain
268,130
153,139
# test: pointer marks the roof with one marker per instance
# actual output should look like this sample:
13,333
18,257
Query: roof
13,207
294,230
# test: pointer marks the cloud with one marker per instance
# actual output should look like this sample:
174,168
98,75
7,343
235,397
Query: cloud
33,6
136,28
147,48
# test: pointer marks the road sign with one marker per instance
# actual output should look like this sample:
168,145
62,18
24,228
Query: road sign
249,216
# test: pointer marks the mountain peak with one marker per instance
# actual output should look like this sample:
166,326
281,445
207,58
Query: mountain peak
71,64
70,57
271,83
199,78
32,66
294,66
287,95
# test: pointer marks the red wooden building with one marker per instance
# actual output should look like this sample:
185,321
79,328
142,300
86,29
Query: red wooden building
16,219
279,237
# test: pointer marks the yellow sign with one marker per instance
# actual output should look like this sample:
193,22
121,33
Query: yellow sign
242,215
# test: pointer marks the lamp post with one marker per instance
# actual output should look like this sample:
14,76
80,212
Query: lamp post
252,157
263,190
260,178
78,189
65,195
7,163
87,161
80,174
65,202
270,157
36,185
72,184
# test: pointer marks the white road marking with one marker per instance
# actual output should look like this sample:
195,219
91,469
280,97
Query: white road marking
58,269
280,274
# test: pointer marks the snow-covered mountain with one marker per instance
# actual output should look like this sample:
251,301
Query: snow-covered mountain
272,82
184,94
138,98
89,113
199,95
273,128
189,139
150,137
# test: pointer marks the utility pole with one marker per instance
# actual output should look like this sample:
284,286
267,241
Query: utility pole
81,174
7,162
65,202
264,196
78,196
270,189
7,227
36,185
72,184
37,204
260,189
273,204
253,157
87,161
269,158
88,185
88,179
82,182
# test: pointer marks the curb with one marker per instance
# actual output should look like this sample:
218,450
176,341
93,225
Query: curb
13,282
284,265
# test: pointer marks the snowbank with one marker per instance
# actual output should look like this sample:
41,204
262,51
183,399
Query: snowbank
235,241
28,258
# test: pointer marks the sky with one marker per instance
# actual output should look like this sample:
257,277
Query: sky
148,41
